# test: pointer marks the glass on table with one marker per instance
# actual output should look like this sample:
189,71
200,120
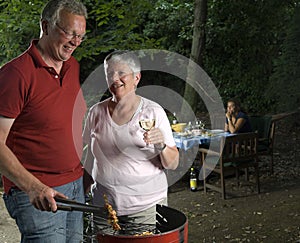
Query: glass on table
198,127
189,128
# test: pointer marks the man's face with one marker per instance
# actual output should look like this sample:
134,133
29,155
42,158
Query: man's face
65,36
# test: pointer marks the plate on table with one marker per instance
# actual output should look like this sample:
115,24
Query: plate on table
216,131
197,132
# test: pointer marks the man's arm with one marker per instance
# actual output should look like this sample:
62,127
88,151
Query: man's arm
40,195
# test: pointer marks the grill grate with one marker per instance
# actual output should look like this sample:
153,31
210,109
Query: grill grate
103,227
167,220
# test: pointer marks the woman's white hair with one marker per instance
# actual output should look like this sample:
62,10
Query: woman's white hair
127,57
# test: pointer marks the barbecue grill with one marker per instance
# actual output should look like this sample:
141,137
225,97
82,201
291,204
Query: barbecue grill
171,225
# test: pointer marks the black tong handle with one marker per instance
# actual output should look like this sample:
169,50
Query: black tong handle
71,205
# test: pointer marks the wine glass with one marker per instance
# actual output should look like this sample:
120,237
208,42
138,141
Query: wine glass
147,120
147,124
201,124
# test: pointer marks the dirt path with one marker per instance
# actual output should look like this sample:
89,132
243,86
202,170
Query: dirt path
271,216
9,232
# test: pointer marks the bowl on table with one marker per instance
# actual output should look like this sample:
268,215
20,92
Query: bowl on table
179,127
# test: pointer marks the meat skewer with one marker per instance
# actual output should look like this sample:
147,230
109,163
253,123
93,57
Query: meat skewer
112,215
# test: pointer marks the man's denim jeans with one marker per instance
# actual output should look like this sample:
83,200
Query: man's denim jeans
40,226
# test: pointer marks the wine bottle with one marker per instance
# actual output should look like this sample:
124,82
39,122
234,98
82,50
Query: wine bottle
193,180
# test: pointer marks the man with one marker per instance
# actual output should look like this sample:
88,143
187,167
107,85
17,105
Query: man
39,152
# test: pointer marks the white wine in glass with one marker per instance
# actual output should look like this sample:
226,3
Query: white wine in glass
147,124
147,121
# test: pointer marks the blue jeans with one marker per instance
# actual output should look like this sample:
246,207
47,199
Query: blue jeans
40,226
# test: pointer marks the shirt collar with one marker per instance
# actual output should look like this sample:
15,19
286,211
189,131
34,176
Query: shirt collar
37,58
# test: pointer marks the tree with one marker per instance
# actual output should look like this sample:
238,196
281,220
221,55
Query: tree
170,22
19,23
243,39
111,25
197,51
237,49
284,88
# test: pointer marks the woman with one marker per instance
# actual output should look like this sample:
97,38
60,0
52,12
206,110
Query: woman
127,163
236,120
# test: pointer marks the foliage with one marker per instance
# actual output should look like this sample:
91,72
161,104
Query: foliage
170,21
19,23
116,24
284,83
242,40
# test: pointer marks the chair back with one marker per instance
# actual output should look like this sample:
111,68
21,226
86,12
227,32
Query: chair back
262,125
236,152
240,148
265,127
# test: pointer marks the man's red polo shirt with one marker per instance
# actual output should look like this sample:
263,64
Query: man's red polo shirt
46,134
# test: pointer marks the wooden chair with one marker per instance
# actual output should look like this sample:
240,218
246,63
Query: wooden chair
236,152
265,127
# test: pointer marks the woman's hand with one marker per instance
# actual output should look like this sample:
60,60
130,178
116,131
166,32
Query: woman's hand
169,156
228,115
154,136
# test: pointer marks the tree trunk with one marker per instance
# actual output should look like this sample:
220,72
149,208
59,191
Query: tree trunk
198,45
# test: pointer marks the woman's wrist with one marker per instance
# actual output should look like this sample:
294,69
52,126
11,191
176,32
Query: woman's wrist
160,147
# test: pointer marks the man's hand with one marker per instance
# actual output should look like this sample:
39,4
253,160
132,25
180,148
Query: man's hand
43,198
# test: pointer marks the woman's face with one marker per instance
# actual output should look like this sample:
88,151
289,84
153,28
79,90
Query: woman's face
231,109
121,80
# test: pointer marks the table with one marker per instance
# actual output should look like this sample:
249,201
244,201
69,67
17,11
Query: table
189,145
189,150
188,142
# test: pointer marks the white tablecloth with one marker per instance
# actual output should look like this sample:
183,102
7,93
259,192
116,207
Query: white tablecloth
187,142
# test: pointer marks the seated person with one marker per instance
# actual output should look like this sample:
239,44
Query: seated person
236,120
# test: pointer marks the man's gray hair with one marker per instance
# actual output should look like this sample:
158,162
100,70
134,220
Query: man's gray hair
51,11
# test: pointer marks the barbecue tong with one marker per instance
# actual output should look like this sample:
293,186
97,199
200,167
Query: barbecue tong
71,205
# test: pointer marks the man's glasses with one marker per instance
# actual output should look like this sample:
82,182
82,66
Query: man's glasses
70,36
